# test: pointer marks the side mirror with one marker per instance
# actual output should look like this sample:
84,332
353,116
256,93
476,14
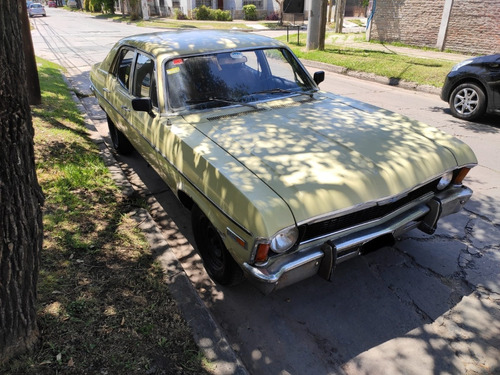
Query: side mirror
319,77
143,105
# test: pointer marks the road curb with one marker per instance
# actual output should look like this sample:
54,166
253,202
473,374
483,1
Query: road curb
206,332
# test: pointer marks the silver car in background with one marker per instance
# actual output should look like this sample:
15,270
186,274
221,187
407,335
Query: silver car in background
36,9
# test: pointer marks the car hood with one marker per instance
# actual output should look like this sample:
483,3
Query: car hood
485,59
334,153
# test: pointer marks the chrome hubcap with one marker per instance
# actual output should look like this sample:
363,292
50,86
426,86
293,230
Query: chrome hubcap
466,101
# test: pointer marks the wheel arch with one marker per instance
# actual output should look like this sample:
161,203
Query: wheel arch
185,199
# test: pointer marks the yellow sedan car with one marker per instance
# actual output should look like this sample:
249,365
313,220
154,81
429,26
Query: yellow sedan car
283,181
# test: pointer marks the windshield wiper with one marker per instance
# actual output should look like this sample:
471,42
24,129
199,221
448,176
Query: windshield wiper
220,100
283,91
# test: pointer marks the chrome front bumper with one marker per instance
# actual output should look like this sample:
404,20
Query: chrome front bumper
322,255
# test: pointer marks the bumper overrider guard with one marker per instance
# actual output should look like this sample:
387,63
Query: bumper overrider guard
321,256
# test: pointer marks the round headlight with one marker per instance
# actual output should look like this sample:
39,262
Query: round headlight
445,180
284,240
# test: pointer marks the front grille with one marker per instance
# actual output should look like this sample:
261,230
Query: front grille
355,218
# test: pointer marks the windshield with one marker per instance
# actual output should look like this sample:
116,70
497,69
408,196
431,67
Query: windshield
229,78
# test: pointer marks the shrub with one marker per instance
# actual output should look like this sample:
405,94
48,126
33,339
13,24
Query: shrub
94,5
108,6
205,13
221,15
275,16
202,13
178,15
250,12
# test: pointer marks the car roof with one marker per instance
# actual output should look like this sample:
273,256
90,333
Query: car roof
188,42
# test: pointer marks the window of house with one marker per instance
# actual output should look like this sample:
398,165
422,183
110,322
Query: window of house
258,3
207,3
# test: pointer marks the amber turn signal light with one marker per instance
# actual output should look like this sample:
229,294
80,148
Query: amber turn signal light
262,253
461,175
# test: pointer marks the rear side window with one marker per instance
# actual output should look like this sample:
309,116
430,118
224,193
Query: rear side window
124,67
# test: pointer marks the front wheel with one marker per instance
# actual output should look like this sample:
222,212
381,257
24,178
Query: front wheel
121,144
219,264
468,101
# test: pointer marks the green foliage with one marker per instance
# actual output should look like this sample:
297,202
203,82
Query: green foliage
178,15
204,13
201,13
108,6
95,6
92,5
222,15
250,12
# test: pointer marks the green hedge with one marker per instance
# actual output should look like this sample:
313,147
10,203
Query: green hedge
250,12
206,13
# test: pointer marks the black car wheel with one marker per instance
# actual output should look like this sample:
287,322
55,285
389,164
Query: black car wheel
219,264
121,144
468,101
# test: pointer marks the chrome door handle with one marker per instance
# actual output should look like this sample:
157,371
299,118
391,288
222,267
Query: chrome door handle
125,108
105,89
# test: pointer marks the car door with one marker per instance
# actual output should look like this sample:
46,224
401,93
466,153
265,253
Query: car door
494,73
117,91
145,124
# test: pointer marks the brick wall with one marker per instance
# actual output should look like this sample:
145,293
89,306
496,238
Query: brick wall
474,25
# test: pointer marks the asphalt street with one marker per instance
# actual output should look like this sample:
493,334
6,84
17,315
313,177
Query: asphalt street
428,305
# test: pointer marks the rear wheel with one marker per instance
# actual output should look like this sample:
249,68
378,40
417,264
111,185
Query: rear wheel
468,101
121,144
219,264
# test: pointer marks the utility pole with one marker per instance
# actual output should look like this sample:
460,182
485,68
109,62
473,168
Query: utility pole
316,25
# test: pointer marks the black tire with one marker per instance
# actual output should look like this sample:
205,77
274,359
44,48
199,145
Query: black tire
120,143
218,263
468,101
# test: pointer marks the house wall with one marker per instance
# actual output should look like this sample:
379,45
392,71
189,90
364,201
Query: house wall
474,25
166,7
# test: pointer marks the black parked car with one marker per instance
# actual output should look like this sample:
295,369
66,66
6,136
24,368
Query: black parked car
473,87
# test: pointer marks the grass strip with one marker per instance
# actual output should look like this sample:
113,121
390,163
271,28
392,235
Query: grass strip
395,66
103,305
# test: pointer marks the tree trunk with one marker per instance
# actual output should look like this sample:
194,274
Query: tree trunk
339,15
322,27
20,195
32,80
